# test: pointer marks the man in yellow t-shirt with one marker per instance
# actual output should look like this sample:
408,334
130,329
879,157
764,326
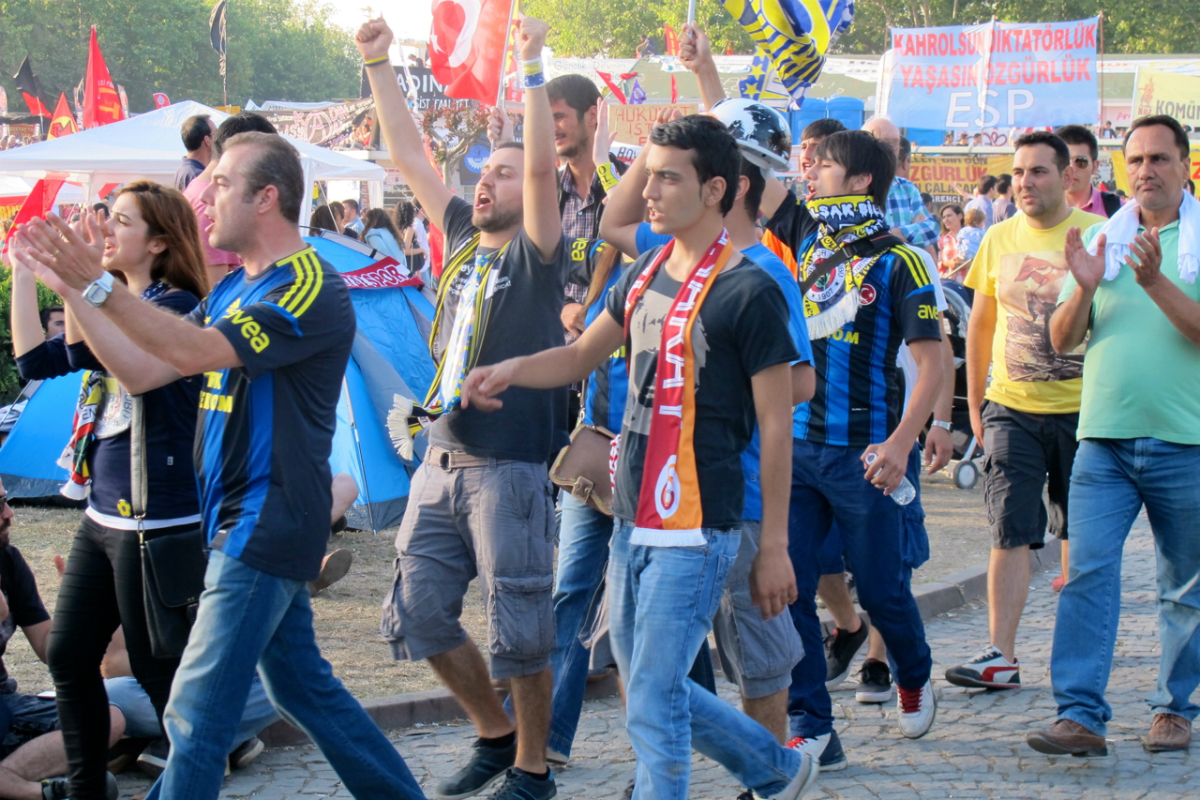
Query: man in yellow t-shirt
1027,425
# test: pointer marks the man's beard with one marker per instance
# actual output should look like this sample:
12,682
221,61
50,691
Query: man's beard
499,221
5,529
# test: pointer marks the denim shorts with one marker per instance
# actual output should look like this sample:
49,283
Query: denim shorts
756,654
1026,453
495,522
29,717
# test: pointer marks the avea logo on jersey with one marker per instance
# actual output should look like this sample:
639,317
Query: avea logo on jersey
249,327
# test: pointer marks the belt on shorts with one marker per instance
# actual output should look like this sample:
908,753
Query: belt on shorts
456,459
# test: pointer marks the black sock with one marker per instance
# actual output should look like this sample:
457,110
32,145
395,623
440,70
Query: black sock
500,742
537,776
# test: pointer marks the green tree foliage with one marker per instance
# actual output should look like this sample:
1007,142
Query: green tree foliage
613,28
278,49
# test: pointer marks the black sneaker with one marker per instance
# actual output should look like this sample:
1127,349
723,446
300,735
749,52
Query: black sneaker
520,785
487,765
875,682
840,649
58,788
153,759
246,752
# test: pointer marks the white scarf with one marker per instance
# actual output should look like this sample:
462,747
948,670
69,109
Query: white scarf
1123,227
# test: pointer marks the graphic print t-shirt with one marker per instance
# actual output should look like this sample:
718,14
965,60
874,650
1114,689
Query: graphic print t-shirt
266,428
1024,268
526,297
742,329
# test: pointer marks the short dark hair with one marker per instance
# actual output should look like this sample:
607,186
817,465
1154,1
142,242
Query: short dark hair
1003,185
350,204
986,183
860,153
1181,137
102,207
195,129
1079,134
905,148
243,122
578,91
714,151
277,164
821,128
45,315
1062,156
752,200
504,146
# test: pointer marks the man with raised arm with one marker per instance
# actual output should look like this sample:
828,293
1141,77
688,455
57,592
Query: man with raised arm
481,504
709,354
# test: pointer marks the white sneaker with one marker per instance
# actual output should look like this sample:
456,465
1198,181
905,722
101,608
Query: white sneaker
917,708
988,670
805,779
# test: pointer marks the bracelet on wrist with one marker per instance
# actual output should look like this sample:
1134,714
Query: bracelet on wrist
532,73
376,61
608,175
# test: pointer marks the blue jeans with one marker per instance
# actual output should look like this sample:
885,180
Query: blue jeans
662,602
827,487
1111,481
141,721
248,618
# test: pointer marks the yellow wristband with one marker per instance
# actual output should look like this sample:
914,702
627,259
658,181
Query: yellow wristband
380,60
608,176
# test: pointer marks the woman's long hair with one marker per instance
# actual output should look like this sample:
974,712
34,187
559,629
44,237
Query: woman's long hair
606,261
378,218
169,217
405,213
322,217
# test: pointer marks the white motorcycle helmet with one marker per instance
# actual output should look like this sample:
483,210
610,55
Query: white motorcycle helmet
763,134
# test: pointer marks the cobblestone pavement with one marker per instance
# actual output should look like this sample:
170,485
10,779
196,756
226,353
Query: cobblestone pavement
975,750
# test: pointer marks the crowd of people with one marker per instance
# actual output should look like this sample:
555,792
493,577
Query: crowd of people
759,374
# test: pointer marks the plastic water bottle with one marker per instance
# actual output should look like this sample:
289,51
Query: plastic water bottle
905,493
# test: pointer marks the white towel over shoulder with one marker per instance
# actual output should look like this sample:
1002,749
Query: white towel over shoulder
1123,227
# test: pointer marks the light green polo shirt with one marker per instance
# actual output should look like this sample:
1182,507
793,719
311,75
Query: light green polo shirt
1141,376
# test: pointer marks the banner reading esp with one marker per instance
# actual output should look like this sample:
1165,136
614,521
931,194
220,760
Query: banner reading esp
944,176
1158,92
994,75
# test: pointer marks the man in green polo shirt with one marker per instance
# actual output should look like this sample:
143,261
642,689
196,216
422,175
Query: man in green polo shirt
1133,294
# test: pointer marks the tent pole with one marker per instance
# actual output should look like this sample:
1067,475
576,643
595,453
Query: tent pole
361,462
31,388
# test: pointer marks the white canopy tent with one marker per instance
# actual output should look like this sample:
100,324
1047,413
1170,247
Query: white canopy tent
149,146
19,187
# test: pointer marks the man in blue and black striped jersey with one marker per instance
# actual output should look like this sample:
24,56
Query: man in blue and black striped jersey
858,316
272,341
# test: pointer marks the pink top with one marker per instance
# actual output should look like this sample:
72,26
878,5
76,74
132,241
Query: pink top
212,256
1096,204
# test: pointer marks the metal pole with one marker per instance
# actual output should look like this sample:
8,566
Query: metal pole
361,463
504,58
691,11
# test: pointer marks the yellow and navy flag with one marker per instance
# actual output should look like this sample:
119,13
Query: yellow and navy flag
793,37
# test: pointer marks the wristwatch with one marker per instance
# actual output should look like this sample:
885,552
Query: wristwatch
937,423
98,290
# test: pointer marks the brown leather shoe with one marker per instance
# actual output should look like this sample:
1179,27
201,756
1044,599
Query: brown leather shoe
1169,732
1067,737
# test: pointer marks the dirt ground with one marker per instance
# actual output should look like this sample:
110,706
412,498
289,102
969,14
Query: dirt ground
347,613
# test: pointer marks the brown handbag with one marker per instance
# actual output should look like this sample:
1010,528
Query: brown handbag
582,467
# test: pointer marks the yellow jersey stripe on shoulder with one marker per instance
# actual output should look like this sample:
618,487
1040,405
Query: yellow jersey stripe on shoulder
301,287
317,276
916,265
293,261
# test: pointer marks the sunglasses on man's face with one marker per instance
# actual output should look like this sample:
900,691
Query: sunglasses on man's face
1082,161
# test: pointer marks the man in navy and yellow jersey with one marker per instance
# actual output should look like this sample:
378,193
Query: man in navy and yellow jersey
272,341
866,293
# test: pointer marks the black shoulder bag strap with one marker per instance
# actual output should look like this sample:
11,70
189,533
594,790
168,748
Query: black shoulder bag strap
1112,203
863,248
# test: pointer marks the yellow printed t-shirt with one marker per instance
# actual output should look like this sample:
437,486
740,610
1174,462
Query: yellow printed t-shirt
1024,268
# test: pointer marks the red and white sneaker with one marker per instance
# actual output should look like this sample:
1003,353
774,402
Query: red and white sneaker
917,708
988,670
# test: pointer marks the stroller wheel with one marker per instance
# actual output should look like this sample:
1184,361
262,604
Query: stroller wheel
965,475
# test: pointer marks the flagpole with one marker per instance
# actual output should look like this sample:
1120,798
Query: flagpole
691,11
225,58
504,60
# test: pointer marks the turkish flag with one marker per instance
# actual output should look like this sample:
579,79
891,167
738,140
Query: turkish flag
101,102
161,100
63,122
467,47
37,204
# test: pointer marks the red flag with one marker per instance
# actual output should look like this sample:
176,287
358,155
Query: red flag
63,122
101,103
670,40
612,87
467,46
674,90
161,100
36,107
37,204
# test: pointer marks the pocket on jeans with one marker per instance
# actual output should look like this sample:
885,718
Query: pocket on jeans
766,648
522,491
724,565
521,623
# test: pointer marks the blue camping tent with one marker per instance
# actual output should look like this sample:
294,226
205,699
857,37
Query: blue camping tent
390,357
27,459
